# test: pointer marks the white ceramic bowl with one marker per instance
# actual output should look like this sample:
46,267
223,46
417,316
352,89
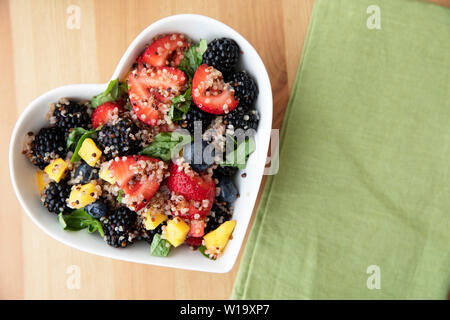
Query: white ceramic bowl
32,119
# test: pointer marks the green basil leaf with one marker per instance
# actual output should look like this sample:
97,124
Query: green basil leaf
180,105
238,158
61,220
113,92
128,105
119,196
175,114
202,249
84,136
193,58
159,247
74,136
163,145
79,220
124,86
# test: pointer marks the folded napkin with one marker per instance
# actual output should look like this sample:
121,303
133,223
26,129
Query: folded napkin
360,207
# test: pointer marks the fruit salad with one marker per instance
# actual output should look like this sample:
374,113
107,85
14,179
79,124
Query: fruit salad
154,156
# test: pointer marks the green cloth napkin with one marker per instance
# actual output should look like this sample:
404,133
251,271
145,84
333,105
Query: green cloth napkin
364,176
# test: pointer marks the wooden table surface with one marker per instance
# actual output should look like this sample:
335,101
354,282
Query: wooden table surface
39,52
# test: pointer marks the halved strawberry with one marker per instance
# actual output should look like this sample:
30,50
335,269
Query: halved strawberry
197,228
210,93
194,242
147,84
192,186
140,192
191,209
106,113
139,177
165,51
199,210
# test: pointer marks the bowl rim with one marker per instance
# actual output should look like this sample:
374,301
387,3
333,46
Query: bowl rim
14,139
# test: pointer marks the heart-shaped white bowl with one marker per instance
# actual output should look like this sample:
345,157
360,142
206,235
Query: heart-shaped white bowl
33,118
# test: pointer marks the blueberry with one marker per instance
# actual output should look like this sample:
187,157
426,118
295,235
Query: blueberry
96,210
199,155
228,191
86,173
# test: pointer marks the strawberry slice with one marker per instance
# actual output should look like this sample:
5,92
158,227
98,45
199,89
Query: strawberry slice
197,228
199,210
106,113
193,210
194,242
165,51
146,85
141,192
139,177
198,191
191,186
210,93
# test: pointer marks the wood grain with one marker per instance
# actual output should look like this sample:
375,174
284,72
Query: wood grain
40,53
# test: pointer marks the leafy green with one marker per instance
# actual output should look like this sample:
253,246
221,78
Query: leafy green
175,114
180,105
85,134
238,158
79,220
164,145
113,92
128,105
159,247
202,249
74,136
119,196
193,58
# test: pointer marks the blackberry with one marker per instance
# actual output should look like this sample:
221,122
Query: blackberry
242,118
48,144
220,212
118,139
148,235
120,227
55,195
245,88
195,114
70,114
222,54
227,172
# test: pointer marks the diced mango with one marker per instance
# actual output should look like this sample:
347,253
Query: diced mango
153,219
106,175
56,169
89,152
217,240
40,177
176,231
82,195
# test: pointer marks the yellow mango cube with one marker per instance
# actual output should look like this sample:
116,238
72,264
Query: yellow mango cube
82,195
106,175
89,152
41,180
153,219
56,169
217,239
176,231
